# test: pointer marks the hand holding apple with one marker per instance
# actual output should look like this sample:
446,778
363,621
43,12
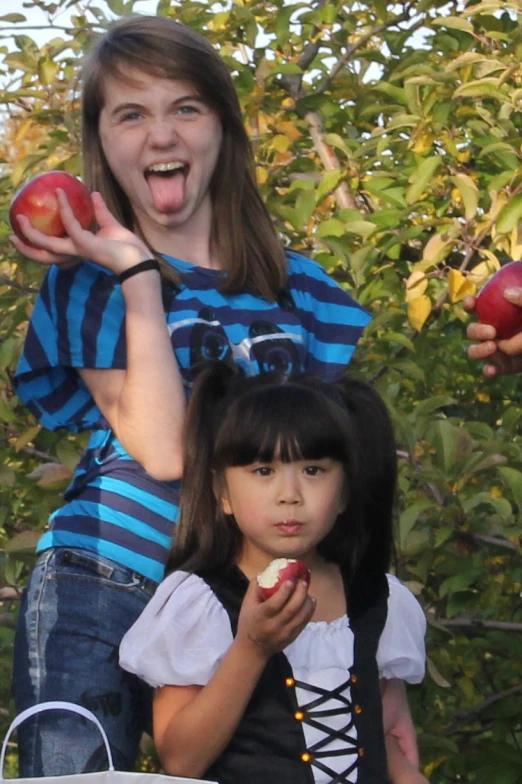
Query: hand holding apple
113,246
280,570
499,311
38,202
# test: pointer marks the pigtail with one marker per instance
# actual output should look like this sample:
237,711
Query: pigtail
196,537
377,473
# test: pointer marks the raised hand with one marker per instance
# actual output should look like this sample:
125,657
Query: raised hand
273,624
112,246
500,357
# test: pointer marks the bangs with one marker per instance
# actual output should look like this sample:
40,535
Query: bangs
286,423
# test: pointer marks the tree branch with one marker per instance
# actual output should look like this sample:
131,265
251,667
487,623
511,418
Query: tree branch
5,281
489,540
477,624
465,716
329,160
342,61
32,452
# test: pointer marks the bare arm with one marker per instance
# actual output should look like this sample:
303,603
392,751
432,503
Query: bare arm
400,735
145,403
400,769
193,725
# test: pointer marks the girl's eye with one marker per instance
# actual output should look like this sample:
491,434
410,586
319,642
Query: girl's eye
130,116
188,109
314,470
262,471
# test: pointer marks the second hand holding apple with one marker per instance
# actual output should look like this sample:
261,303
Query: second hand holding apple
113,246
501,357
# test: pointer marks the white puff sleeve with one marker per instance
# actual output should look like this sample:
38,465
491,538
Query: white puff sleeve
180,637
402,653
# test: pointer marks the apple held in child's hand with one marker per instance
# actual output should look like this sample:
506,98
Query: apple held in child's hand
280,570
38,201
491,306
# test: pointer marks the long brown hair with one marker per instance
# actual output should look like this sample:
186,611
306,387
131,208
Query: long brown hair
233,420
242,231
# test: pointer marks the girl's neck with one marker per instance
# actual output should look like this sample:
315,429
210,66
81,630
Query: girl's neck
191,243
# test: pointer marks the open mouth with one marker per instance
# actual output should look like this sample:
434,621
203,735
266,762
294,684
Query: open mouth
167,183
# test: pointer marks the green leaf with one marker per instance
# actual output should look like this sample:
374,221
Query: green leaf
510,215
454,23
305,206
6,413
478,88
329,182
409,517
421,177
459,582
24,542
13,18
513,480
331,228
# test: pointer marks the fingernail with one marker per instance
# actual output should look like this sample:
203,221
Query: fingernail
512,294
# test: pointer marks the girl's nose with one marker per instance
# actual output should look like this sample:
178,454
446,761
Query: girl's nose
162,133
289,490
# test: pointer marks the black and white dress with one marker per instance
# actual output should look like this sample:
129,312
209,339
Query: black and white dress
325,720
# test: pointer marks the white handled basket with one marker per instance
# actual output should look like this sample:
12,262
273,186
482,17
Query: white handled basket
109,776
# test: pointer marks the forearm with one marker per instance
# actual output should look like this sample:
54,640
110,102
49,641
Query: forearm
149,411
195,736
400,769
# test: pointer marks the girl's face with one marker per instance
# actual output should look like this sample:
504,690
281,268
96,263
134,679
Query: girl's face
284,509
161,142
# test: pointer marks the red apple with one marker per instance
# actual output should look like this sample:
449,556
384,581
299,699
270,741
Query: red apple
37,200
492,308
278,571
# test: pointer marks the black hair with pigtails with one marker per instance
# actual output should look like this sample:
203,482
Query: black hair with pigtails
233,420
378,472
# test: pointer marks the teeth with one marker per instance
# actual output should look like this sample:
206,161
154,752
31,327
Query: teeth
166,167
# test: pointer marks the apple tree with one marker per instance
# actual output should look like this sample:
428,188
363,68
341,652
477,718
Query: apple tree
387,141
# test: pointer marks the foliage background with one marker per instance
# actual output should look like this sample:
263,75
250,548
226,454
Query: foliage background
388,144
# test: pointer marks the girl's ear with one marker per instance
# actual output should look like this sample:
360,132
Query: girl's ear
226,506
219,489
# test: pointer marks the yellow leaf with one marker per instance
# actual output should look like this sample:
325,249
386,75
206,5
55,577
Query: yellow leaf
418,311
516,242
422,142
496,492
469,193
416,285
437,248
280,142
261,175
27,437
484,269
459,286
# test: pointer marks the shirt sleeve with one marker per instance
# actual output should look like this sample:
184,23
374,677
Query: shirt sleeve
181,636
402,653
332,319
78,322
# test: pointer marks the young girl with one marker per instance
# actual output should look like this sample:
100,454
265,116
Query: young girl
285,689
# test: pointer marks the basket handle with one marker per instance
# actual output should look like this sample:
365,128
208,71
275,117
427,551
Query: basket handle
53,705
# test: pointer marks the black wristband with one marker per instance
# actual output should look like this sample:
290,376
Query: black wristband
143,266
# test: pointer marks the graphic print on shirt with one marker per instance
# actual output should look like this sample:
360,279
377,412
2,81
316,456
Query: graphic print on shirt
266,348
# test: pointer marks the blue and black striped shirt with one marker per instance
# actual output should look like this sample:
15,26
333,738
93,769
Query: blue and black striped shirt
112,506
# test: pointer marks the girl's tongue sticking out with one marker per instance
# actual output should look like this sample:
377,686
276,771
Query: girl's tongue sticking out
167,185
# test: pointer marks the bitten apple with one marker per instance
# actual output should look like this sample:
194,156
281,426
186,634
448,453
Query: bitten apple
492,308
38,201
278,571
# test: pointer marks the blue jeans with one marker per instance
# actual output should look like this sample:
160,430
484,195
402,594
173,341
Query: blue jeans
74,613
